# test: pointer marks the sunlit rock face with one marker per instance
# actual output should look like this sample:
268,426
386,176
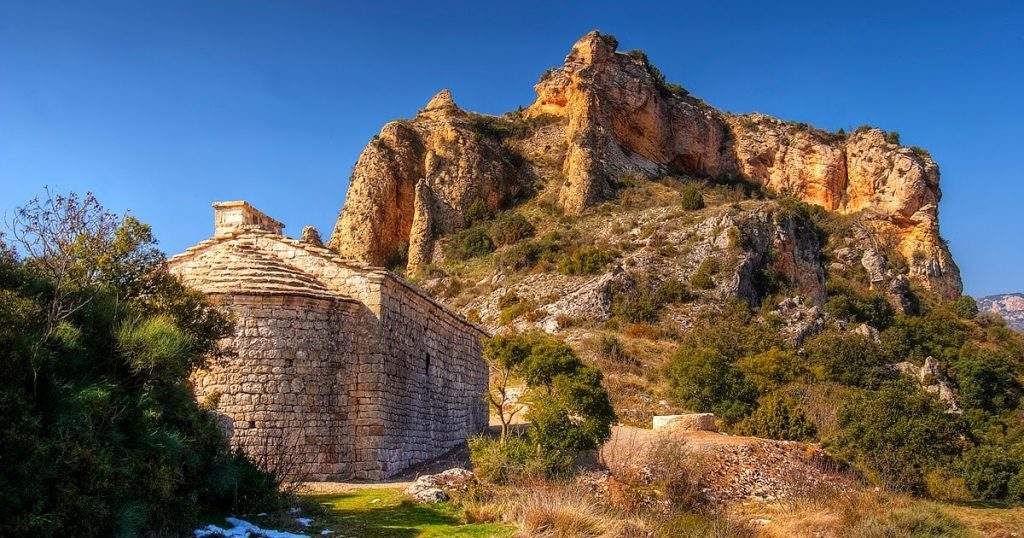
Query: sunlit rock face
617,118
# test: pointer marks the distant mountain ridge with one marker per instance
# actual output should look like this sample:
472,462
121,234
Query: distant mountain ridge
1008,305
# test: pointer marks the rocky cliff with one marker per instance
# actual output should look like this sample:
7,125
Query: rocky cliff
607,117
1008,305
416,181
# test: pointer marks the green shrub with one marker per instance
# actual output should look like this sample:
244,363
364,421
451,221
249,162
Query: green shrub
611,348
966,307
692,199
896,435
776,418
770,370
1015,487
468,243
913,522
847,303
987,380
701,278
892,137
510,228
988,470
847,358
705,380
477,212
515,310
585,261
938,333
644,300
704,375
501,462
529,253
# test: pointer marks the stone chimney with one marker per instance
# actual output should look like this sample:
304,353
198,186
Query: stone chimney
239,215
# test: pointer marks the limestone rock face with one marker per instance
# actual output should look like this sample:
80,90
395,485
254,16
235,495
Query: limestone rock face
1009,305
931,378
618,119
421,174
622,121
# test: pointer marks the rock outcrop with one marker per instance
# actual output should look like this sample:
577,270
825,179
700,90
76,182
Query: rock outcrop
624,119
620,119
1008,305
421,176
931,378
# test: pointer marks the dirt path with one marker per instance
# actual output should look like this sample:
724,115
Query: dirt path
331,488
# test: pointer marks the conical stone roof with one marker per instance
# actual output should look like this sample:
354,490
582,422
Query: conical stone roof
238,268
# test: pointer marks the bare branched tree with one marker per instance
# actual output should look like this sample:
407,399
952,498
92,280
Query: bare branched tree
500,394
56,234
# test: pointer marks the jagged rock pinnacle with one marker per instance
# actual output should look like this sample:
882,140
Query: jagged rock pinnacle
440,105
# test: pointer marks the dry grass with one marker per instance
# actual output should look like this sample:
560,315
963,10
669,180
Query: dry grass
870,514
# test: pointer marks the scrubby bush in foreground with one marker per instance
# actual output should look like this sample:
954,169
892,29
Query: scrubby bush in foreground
102,435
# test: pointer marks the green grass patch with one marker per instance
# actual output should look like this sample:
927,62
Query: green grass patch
387,512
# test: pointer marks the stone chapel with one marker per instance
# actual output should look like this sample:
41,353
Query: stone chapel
340,369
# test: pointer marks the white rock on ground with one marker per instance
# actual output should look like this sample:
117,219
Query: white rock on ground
686,422
431,488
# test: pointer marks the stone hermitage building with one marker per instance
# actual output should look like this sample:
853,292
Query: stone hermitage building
342,369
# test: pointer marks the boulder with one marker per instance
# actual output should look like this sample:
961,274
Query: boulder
686,422
433,488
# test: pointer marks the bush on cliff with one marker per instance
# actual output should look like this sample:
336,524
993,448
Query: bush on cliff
585,261
468,243
692,199
510,228
102,435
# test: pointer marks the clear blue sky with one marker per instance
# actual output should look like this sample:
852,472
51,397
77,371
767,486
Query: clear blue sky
163,107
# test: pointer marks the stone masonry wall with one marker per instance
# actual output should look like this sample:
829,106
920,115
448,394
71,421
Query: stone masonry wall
434,379
285,394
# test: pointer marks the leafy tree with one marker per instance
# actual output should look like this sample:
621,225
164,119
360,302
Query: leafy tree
504,355
987,380
896,435
569,409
